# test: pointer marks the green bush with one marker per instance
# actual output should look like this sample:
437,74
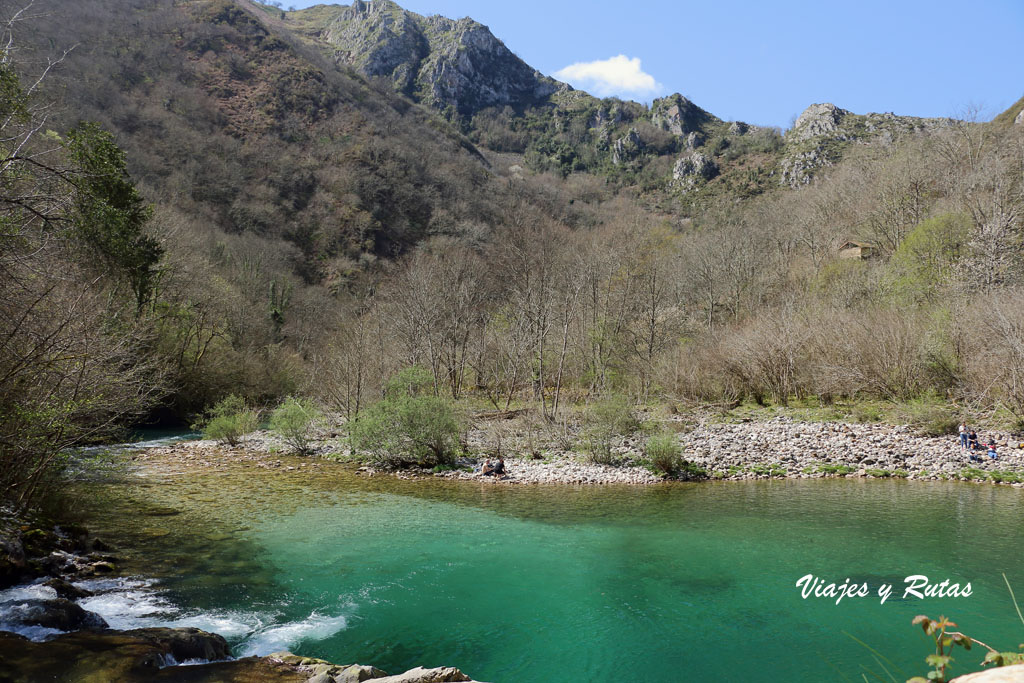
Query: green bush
229,421
664,453
866,412
294,420
410,426
606,419
930,419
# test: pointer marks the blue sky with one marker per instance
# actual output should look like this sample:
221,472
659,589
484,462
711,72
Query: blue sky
764,62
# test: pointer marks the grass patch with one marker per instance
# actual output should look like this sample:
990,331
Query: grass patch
768,470
1006,476
973,473
835,469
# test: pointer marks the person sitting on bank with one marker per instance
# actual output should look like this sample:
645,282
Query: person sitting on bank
494,470
992,450
972,441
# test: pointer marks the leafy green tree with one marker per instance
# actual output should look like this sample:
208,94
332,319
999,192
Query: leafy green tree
411,426
295,420
927,257
229,421
110,215
72,367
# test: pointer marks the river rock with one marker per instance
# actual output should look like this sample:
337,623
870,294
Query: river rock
143,655
442,674
67,590
358,673
60,614
12,560
1006,674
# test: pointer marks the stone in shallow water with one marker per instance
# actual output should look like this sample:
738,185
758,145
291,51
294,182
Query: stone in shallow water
59,614
66,590
123,656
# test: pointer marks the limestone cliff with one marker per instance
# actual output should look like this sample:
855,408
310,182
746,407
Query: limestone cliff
435,60
823,131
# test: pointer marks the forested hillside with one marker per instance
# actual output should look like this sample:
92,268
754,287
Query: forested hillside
302,211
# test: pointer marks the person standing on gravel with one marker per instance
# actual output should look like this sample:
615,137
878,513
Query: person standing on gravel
963,436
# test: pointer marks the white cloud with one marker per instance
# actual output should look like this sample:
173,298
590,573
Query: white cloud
619,75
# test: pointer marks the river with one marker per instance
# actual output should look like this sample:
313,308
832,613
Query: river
528,583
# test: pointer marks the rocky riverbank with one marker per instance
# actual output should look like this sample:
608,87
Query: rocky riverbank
48,571
776,448
185,655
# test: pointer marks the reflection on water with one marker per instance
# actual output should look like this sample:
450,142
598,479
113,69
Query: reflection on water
535,583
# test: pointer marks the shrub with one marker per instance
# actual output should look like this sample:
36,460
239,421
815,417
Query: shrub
866,412
606,419
410,426
664,454
294,420
930,419
229,421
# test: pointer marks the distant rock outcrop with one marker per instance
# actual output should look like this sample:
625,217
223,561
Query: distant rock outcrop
627,148
441,62
678,115
691,168
822,131
818,119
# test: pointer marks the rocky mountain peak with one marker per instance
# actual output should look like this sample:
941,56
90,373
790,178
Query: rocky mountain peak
443,62
678,115
818,119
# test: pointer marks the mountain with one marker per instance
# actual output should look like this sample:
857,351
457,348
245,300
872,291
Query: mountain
299,161
438,61
1013,115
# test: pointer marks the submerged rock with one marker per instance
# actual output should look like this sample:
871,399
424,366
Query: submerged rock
60,614
123,656
67,590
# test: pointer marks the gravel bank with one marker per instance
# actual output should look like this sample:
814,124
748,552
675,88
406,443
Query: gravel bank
780,447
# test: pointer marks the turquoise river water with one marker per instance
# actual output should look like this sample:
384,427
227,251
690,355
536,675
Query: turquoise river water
663,583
